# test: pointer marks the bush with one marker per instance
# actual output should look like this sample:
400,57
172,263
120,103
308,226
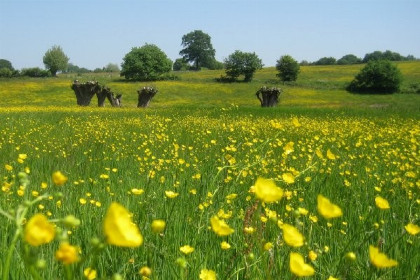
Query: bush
5,72
288,68
378,76
326,61
147,63
242,63
349,59
35,72
181,64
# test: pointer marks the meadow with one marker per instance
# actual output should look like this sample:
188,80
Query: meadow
206,184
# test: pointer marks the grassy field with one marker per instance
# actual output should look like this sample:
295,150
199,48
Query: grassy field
197,159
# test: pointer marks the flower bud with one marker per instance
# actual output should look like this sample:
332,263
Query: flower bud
71,221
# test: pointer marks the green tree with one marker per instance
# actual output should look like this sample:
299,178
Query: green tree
4,63
147,63
181,65
325,61
197,49
242,63
55,60
288,68
378,76
111,67
349,59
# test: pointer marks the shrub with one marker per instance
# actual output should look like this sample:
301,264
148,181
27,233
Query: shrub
378,76
147,63
181,64
5,72
35,72
288,68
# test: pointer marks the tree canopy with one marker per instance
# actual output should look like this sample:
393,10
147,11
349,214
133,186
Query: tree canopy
242,63
55,60
147,63
349,59
288,68
4,63
198,49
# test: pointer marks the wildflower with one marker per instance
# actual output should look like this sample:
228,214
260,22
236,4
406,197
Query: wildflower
412,229
380,260
332,278
59,178
158,226
145,271
292,236
39,231
186,249
330,155
119,228
312,255
89,273
224,245
303,211
220,227
350,256
249,230
8,167
207,274
267,246
137,191
288,148
171,194
82,201
327,209
381,203
288,178
298,266
267,191
67,253
296,122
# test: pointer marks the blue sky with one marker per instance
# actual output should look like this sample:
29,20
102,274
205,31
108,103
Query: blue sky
94,33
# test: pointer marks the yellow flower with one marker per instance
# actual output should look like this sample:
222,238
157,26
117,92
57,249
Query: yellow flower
267,246
381,203
39,231
380,260
327,209
67,253
332,278
289,148
137,191
119,228
312,255
82,201
207,274
292,236
330,155
171,194
145,271
296,122
158,226
8,167
58,178
249,230
89,273
412,229
220,227
288,178
224,245
267,191
298,266
350,256
186,249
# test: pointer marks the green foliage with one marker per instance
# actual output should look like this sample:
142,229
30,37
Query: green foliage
242,63
35,72
111,67
288,68
5,72
325,61
71,68
349,59
6,64
198,49
148,63
181,64
55,60
387,55
378,76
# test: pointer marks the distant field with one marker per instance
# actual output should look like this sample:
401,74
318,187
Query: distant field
197,154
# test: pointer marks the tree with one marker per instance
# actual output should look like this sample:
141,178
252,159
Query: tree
288,68
242,63
55,60
147,63
181,65
111,67
325,61
197,49
349,59
6,64
378,76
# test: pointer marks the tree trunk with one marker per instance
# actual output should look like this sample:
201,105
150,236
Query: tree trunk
145,95
269,97
106,93
85,91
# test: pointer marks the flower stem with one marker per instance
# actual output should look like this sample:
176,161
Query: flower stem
9,255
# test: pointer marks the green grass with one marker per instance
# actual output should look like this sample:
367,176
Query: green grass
197,126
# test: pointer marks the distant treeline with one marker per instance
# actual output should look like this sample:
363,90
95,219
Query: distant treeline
352,59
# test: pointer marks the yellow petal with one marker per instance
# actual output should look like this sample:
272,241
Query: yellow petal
207,274
327,209
412,229
39,231
381,203
119,228
298,266
267,191
292,236
380,260
330,155
288,178
67,253
220,227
